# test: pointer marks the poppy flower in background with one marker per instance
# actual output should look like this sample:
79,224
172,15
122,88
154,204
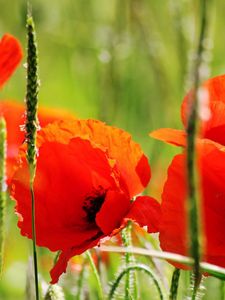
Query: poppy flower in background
14,114
10,56
210,156
87,175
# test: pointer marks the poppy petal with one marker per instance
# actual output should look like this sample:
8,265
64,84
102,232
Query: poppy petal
66,176
14,114
173,229
10,56
173,234
145,211
215,88
212,166
130,159
61,264
214,128
112,211
170,136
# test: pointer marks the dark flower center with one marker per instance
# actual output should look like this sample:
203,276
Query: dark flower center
93,203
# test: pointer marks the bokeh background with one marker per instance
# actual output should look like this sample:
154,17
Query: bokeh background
126,62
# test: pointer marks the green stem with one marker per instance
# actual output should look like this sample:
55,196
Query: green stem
34,241
124,235
191,135
80,282
131,289
138,267
222,290
2,187
174,284
97,278
213,270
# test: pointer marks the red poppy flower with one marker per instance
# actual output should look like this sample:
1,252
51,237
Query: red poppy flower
210,149
14,114
87,175
10,57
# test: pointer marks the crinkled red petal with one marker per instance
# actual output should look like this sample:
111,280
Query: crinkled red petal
130,159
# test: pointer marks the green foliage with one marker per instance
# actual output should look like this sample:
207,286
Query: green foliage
2,188
174,284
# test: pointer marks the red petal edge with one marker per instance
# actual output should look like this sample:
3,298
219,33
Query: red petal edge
10,56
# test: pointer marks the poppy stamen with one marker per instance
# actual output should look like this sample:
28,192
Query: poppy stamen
93,203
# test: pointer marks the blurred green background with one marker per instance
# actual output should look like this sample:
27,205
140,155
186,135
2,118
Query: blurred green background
125,62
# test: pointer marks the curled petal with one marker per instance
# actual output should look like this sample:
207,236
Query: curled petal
170,136
10,56
113,210
145,211
61,264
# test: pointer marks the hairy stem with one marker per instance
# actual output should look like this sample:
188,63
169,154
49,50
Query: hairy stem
213,270
137,267
191,136
131,289
2,187
97,278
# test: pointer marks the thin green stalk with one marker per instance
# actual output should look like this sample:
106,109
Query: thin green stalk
2,187
97,278
191,135
80,282
222,290
137,267
34,242
31,126
211,269
174,284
